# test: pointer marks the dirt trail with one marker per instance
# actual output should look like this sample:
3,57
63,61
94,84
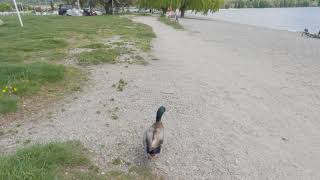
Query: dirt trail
242,103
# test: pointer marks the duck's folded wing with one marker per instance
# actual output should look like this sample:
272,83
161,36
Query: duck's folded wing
157,138
149,137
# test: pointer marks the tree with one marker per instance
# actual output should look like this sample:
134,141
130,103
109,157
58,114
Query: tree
194,5
5,7
51,5
107,4
200,6
159,4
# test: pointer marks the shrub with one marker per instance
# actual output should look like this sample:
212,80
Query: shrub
5,7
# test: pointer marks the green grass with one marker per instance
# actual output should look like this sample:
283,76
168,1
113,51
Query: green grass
170,22
65,161
46,34
26,79
29,77
28,55
94,46
43,161
8,104
98,56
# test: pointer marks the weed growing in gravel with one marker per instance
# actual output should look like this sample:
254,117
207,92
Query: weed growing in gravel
121,85
114,116
12,131
28,141
117,161
113,112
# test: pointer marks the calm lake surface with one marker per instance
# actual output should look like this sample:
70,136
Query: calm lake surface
291,19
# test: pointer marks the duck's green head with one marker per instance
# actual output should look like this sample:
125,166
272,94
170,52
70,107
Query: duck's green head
160,112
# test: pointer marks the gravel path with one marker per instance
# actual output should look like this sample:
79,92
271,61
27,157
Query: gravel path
242,103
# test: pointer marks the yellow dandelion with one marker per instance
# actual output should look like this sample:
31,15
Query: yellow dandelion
6,87
15,89
4,90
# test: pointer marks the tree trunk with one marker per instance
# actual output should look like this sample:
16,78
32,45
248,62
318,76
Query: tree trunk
107,7
52,6
182,10
164,10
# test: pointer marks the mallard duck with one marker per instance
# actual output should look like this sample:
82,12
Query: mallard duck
154,135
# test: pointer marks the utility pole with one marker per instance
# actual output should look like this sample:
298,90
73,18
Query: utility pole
15,5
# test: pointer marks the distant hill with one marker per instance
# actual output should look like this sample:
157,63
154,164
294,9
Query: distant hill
270,3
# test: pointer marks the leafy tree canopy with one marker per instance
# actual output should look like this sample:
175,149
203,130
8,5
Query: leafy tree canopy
194,5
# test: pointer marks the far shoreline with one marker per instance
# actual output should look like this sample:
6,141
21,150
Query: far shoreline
284,19
204,18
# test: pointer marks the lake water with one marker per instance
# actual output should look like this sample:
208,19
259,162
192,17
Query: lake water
291,19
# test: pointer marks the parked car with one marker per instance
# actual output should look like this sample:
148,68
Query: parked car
89,12
63,8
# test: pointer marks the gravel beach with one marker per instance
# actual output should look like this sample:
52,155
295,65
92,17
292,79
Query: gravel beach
242,103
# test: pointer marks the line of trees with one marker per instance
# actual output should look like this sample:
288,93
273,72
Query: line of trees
107,4
5,7
270,3
194,5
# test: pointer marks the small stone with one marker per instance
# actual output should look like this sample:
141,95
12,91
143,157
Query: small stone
98,112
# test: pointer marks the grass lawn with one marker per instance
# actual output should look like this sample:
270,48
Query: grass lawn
30,56
65,161
170,22
43,161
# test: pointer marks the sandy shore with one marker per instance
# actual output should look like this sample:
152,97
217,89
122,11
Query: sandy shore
250,101
242,103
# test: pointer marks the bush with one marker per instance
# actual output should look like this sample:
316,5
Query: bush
5,7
